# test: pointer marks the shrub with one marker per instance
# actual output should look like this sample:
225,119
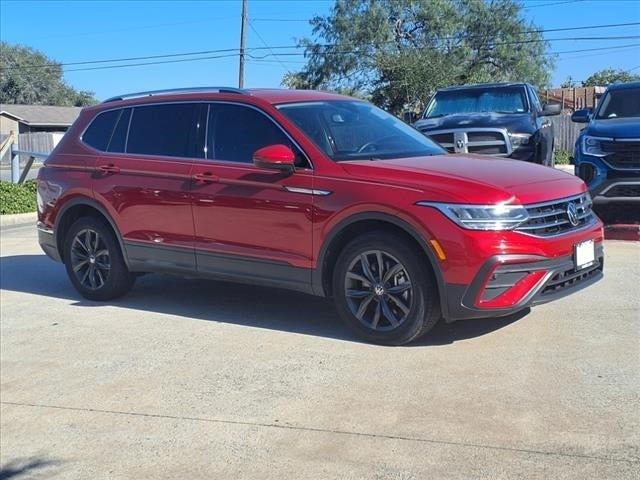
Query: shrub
18,198
562,157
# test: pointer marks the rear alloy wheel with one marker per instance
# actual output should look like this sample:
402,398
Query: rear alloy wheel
90,259
384,289
94,261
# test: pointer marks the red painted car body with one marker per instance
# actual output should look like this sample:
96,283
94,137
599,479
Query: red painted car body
240,222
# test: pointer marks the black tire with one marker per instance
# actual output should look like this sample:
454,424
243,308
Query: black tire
94,261
418,308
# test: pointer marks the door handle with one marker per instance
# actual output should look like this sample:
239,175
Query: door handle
206,177
111,168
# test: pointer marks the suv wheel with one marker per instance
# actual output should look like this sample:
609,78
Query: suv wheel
94,261
384,289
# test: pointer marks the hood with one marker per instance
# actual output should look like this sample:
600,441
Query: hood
474,179
513,122
614,128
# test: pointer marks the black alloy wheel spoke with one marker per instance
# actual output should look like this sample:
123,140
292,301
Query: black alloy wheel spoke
378,290
90,259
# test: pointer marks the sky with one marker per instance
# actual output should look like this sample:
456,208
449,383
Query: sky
77,31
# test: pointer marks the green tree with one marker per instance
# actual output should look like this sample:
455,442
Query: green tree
27,76
400,51
608,76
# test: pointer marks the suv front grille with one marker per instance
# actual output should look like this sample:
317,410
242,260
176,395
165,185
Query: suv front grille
627,190
481,141
552,218
625,155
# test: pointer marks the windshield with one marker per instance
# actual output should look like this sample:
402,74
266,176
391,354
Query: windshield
623,103
478,100
352,130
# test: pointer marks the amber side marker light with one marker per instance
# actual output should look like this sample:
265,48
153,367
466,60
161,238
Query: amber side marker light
438,248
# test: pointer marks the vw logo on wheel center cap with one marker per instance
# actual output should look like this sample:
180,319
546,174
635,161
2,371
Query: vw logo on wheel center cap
378,290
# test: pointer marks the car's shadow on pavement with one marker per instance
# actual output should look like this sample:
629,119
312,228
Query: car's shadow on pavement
221,302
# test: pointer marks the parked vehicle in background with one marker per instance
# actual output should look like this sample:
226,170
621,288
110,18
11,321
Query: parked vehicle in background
314,192
502,119
607,152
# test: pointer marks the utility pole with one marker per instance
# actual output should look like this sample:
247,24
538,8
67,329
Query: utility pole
243,35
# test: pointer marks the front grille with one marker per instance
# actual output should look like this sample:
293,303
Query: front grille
444,139
625,155
552,218
629,190
480,141
570,277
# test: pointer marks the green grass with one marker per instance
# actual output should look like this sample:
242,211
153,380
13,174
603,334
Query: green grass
18,198
562,157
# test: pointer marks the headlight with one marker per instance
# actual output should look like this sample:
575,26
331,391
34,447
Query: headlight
519,139
593,145
483,217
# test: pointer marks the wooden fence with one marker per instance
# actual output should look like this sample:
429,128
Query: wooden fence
42,142
565,132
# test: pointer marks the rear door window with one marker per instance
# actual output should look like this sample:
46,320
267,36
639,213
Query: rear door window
170,130
99,132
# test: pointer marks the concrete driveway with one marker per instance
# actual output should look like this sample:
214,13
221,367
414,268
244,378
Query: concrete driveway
194,379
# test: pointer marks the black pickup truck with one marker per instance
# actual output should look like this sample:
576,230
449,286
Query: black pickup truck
503,119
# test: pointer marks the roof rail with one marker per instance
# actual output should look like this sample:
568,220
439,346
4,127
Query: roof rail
176,90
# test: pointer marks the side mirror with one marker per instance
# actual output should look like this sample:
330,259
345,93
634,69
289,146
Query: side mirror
550,110
581,116
275,157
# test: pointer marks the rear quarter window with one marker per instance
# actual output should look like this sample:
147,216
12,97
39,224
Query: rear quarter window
99,132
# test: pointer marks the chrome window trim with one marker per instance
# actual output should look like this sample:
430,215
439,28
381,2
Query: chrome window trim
208,102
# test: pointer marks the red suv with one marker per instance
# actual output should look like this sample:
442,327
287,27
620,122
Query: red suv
314,192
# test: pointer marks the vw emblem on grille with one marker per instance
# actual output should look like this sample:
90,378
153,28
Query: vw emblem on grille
460,144
572,213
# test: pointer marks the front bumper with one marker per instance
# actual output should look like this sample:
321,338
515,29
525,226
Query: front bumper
554,278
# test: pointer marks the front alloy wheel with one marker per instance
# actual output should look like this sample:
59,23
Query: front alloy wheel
378,290
384,288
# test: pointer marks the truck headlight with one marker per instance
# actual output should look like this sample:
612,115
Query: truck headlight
593,145
482,217
519,139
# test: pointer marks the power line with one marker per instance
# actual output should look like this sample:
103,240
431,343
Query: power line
550,4
207,52
160,62
265,44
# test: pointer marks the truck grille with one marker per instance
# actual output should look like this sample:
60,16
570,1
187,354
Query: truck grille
480,141
552,218
622,155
